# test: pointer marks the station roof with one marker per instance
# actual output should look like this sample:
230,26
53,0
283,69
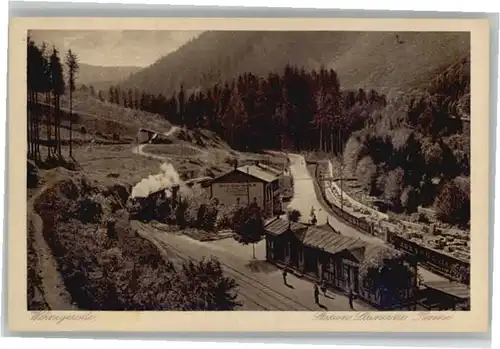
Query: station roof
327,240
278,226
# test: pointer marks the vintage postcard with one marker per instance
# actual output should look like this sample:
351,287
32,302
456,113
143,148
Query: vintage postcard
248,175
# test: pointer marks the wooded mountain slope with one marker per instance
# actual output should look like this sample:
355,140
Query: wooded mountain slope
103,77
380,60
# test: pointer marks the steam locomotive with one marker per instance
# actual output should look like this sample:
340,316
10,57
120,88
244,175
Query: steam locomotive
154,206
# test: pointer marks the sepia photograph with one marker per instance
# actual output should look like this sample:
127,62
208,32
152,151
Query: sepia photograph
192,171
178,170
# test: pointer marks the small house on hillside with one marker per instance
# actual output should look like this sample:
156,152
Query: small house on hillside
145,135
248,184
379,274
159,138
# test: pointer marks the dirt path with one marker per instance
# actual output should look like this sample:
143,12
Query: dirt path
52,285
139,149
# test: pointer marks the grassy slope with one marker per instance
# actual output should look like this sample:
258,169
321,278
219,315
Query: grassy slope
95,113
362,59
192,152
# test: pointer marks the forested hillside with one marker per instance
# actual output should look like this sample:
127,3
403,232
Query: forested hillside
410,150
381,60
416,151
295,109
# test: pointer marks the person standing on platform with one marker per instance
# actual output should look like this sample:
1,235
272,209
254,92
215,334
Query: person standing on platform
316,293
351,298
323,287
314,220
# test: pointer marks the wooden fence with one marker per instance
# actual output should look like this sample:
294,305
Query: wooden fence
358,223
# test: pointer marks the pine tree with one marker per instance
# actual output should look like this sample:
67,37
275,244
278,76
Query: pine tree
125,99
181,106
111,94
37,82
137,99
72,64
130,99
173,115
57,80
190,112
47,89
117,96
31,81
143,105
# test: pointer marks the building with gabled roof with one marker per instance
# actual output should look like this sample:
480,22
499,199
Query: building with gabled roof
145,135
321,238
279,226
248,184
323,254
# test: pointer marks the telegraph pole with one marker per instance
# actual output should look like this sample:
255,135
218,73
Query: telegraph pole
332,146
331,142
248,185
341,171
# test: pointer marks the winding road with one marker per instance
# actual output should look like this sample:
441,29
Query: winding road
305,198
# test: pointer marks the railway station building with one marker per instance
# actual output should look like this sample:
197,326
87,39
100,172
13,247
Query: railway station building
377,274
249,184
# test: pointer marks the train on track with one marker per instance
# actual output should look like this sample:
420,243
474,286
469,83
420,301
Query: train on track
154,205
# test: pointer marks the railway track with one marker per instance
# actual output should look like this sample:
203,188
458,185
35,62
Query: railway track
242,295
270,299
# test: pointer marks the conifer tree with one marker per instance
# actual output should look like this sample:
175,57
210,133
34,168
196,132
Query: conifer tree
72,64
57,81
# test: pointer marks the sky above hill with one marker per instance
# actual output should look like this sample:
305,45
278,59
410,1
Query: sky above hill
138,48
